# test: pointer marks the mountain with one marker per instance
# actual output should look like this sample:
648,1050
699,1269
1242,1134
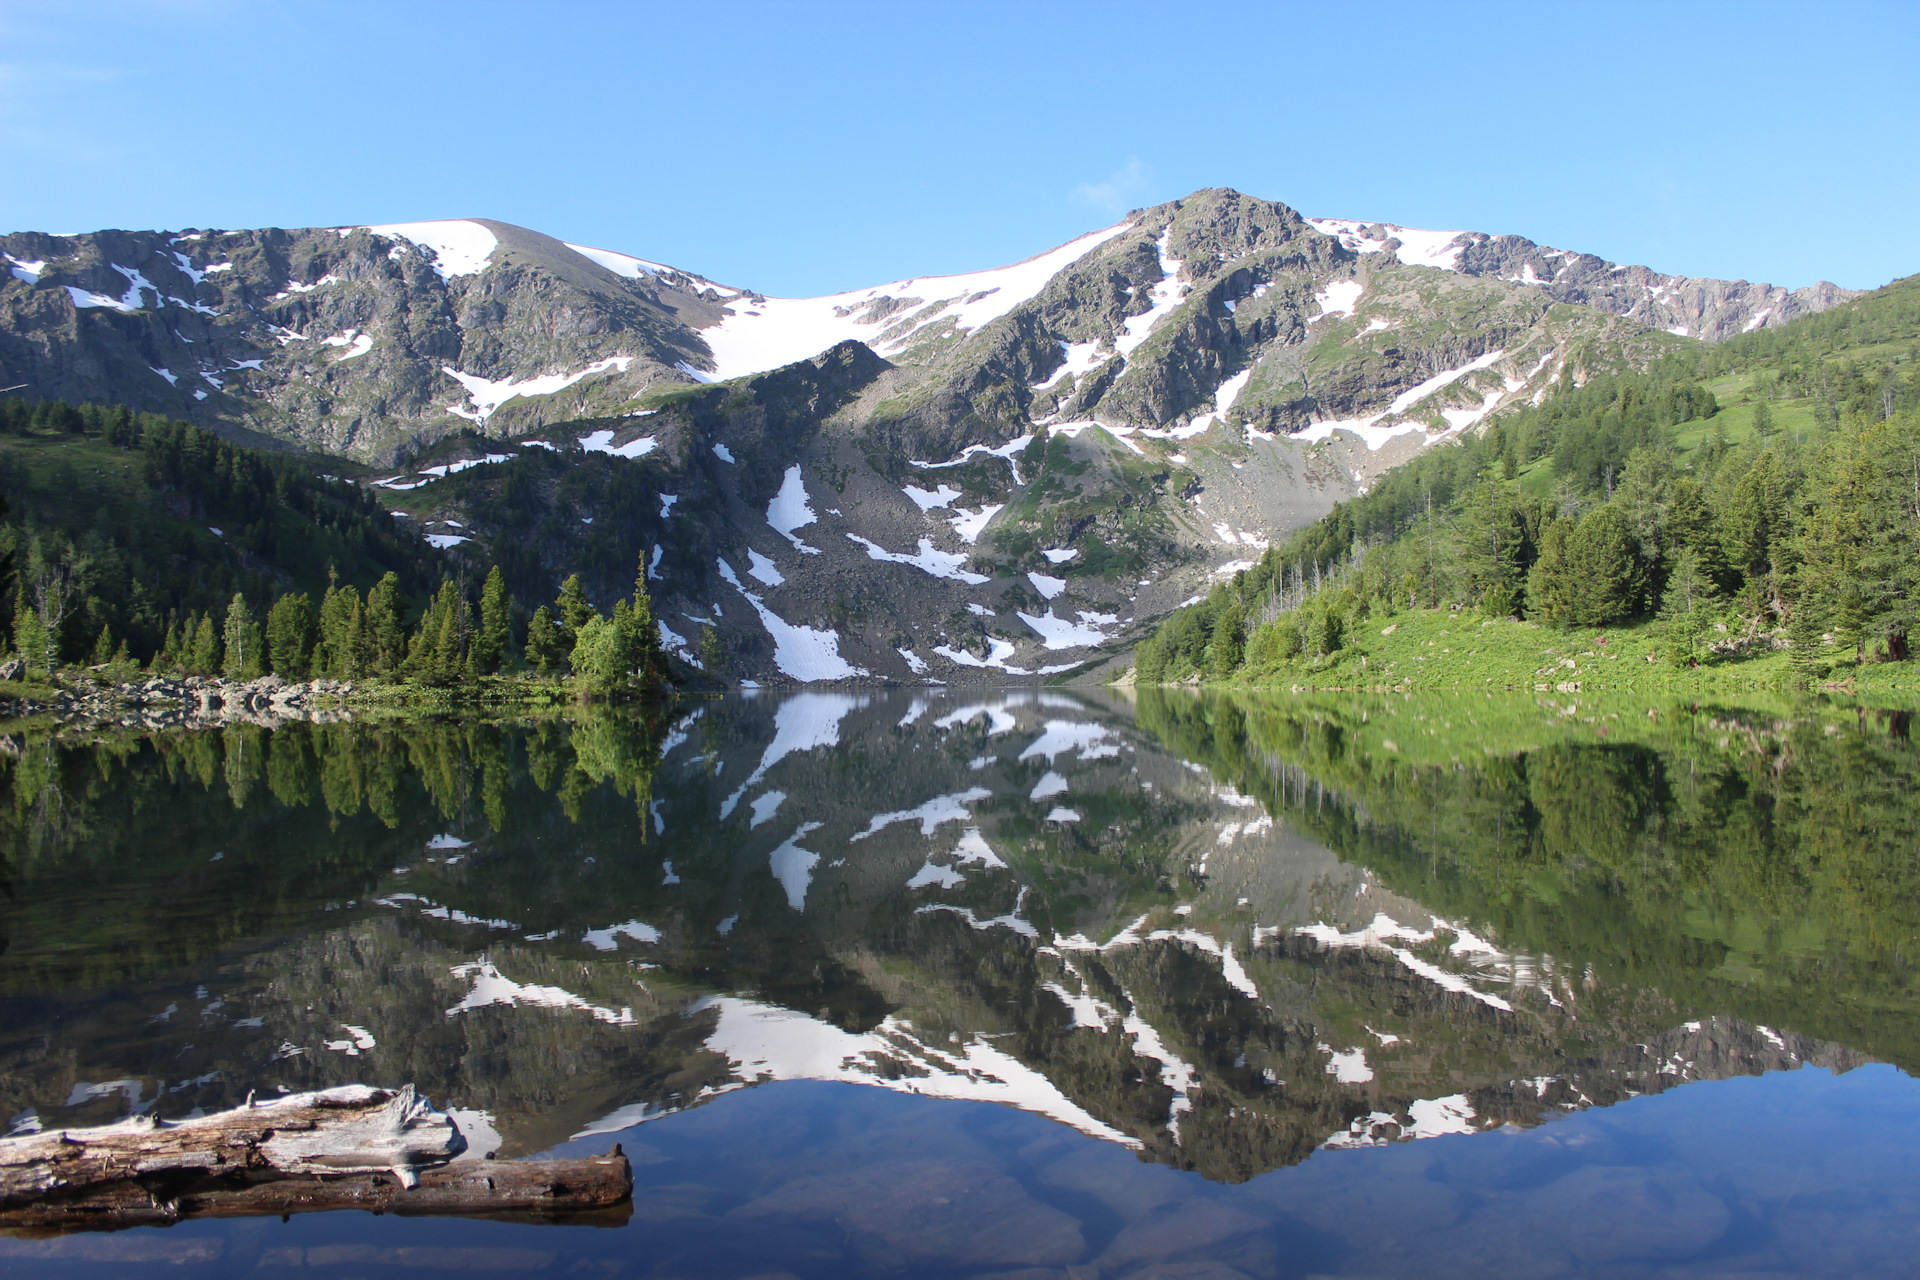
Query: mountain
1009,471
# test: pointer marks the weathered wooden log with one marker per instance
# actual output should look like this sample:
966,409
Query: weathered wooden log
383,1150
545,1190
353,1129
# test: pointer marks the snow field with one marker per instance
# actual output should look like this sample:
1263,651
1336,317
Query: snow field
779,331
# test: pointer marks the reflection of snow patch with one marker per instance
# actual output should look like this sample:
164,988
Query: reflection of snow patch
793,866
803,722
765,805
764,1041
945,877
608,939
490,987
1050,784
1348,1067
931,815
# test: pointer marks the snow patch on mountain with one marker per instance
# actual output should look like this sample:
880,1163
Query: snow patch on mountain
460,248
638,447
1165,297
940,564
759,335
791,509
1417,248
487,395
1376,436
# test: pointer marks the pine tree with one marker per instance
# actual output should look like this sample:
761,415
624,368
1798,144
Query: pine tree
30,637
650,658
103,647
1224,654
244,656
341,651
544,649
490,649
385,641
574,608
1550,591
1604,571
290,635
206,647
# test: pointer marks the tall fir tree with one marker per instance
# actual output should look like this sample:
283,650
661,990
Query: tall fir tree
491,647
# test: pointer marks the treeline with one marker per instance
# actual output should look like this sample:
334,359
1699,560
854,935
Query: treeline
348,637
122,573
133,522
1783,535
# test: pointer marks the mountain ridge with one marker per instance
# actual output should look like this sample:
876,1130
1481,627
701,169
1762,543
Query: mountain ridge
1076,443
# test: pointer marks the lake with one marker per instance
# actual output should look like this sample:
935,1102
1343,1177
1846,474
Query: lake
1024,983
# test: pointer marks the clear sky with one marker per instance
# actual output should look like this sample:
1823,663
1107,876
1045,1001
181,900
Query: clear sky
803,148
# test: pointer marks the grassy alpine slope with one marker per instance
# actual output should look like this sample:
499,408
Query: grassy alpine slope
1739,516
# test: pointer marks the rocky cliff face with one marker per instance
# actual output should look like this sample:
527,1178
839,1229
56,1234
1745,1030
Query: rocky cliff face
1011,472
366,342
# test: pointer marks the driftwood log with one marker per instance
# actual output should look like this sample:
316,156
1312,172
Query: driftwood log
387,1151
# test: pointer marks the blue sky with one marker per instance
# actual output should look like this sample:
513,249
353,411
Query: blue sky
801,148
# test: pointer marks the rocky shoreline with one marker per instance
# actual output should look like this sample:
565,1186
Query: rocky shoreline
174,702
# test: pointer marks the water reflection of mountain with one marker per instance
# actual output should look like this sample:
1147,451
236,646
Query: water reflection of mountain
1024,898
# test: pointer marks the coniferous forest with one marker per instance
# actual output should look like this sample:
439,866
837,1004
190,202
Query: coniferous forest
1758,495
136,542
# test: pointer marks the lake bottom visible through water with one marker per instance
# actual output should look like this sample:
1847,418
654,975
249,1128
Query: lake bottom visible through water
1792,1173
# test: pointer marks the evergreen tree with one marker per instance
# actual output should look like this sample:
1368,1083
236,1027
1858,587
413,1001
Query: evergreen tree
438,652
341,652
244,656
544,648
1603,568
103,647
206,647
495,630
385,640
574,608
651,658
1689,606
1225,652
290,635
1550,586
30,637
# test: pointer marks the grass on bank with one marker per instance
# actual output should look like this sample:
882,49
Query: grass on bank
1431,649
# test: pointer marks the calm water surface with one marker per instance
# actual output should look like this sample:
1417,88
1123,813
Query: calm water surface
1014,984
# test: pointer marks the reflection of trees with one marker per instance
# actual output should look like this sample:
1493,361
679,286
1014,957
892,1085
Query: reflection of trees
112,842
1760,865
1573,848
